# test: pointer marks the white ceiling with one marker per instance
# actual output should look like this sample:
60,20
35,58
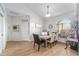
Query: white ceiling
40,8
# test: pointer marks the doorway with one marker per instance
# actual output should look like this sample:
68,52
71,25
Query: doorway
25,28
64,27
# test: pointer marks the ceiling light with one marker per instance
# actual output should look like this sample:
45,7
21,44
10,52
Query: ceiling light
48,13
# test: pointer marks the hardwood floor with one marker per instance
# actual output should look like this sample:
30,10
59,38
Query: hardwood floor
26,49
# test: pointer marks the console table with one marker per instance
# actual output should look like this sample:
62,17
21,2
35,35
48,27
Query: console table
69,40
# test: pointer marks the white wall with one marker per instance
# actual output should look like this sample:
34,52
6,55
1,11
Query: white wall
34,20
18,35
11,34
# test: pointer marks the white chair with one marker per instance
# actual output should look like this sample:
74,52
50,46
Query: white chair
51,41
56,38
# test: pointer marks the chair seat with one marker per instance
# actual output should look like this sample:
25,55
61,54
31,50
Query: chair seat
50,41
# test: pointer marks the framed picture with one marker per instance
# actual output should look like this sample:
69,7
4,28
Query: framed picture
50,26
15,28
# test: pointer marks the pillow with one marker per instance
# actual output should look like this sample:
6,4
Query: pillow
73,35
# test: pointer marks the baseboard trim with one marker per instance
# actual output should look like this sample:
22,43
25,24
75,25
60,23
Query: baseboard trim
19,40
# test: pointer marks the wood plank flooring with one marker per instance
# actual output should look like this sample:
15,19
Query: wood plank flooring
26,49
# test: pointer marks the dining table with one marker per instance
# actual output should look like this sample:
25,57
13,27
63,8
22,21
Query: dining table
45,37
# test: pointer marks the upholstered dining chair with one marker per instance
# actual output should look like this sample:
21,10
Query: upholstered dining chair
38,41
51,41
56,38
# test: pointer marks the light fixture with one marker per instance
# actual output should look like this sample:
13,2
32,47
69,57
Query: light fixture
47,14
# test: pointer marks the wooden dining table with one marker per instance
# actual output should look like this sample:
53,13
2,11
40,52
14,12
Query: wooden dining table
45,37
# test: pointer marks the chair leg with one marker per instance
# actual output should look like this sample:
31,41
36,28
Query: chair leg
53,43
45,45
34,44
50,45
38,47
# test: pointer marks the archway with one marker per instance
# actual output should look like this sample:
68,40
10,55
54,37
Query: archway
64,27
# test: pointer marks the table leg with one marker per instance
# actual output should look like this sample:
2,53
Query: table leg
45,44
66,44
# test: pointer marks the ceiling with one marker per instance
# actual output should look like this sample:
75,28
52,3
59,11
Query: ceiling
40,8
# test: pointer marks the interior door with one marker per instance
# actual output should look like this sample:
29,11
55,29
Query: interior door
1,31
25,30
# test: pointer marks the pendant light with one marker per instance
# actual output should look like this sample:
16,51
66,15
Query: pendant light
47,13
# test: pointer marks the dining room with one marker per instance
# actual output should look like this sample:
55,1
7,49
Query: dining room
40,29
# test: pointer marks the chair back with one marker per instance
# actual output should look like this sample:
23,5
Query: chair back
36,38
56,37
53,37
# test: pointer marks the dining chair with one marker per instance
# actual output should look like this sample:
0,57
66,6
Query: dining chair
56,38
51,41
38,41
